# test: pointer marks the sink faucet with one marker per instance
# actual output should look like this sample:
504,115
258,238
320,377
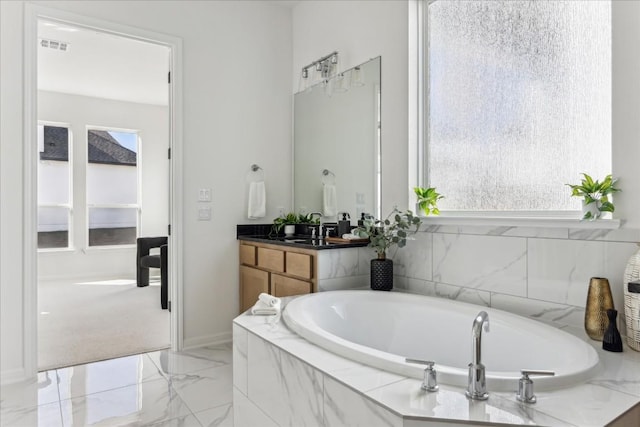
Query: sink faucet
477,388
315,213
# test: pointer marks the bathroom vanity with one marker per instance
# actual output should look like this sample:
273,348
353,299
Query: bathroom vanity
294,266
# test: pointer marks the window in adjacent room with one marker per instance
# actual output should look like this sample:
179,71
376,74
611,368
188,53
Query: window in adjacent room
54,187
518,101
112,187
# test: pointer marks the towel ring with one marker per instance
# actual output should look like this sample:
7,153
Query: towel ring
328,177
256,174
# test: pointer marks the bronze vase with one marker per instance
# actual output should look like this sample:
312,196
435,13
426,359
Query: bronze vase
599,300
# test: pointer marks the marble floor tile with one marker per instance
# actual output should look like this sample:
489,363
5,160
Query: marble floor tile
32,394
222,416
205,389
140,404
47,415
221,353
170,362
82,380
186,421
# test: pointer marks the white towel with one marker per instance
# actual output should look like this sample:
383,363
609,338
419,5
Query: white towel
266,305
330,200
269,300
257,200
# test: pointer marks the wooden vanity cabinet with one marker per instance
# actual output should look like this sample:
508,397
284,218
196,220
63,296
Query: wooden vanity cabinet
275,269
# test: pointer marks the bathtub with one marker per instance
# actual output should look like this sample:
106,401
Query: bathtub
381,329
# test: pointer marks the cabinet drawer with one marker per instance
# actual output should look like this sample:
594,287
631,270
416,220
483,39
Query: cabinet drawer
299,265
252,283
247,255
271,259
282,286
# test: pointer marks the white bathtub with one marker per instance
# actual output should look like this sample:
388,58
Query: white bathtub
381,329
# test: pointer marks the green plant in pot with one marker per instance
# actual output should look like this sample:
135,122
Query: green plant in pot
595,195
383,235
287,221
428,200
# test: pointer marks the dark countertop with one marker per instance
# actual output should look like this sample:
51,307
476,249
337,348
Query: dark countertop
300,242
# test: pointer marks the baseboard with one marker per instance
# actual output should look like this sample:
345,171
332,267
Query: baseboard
221,338
13,376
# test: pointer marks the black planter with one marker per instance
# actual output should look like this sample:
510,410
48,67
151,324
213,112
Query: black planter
381,274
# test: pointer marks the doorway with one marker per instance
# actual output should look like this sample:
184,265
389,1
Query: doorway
83,238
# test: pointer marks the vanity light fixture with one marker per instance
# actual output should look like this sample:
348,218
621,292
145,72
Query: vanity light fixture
325,68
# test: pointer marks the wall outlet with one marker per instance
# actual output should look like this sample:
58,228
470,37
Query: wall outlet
204,213
280,210
204,195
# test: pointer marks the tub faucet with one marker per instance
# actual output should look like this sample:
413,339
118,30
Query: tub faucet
477,388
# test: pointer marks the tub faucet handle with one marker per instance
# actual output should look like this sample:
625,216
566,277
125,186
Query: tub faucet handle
525,385
430,380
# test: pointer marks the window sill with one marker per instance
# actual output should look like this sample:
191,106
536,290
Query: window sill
535,222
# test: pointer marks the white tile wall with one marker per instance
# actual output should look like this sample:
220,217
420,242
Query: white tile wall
537,272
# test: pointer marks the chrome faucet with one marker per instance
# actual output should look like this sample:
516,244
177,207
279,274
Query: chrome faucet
317,234
477,388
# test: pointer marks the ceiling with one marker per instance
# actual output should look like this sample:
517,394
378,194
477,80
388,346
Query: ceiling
102,65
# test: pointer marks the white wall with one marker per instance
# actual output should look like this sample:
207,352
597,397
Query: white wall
237,111
152,124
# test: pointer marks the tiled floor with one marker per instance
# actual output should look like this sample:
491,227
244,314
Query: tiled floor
162,388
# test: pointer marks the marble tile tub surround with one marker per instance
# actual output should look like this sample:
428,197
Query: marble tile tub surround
281,379
161,388
535,272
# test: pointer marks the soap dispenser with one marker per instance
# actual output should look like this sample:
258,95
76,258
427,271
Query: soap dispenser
344,225
363,216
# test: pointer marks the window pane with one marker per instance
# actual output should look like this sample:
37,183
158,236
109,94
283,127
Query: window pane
112,176
53,227
112,226
53,165
519,101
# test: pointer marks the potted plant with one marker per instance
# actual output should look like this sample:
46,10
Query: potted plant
595,195
286,221
383,235
428,200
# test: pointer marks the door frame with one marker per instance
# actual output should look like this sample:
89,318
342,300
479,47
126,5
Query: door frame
32,13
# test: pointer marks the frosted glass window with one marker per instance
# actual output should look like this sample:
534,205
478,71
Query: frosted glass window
519,101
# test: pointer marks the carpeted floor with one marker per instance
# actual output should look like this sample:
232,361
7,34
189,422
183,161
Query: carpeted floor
89,321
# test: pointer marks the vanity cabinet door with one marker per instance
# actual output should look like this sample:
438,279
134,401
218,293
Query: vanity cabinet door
299,265
247,254
271,259
286,286
252,283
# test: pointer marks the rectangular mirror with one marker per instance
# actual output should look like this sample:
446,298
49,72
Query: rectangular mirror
337,143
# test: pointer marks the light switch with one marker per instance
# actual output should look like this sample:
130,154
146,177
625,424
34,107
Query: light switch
204,213
204,195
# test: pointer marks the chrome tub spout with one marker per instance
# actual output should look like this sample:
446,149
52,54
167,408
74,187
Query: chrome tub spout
477,386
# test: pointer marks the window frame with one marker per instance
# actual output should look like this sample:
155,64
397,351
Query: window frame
419,144
69,205
137,205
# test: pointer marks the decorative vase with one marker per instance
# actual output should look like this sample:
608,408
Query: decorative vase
381,274
599,300
591,207
289,229
611,340
632,301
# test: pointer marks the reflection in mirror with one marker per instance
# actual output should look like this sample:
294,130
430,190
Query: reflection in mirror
337,129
